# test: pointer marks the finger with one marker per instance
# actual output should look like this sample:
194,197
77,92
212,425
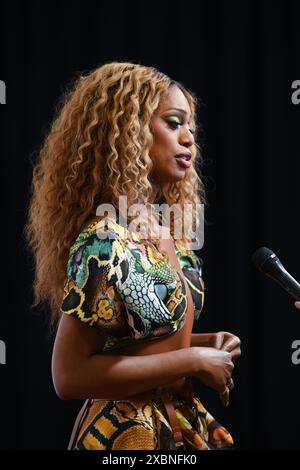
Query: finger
231,385
230,366
235,353
297,304
224,396
219,340
230,344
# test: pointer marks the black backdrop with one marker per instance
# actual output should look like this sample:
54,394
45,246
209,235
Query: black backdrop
240,58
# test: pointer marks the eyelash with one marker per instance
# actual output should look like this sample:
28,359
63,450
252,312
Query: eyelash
173,123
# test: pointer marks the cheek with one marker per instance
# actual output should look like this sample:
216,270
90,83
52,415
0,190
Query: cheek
163,140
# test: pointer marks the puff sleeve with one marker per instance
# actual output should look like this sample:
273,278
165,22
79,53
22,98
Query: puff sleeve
90,293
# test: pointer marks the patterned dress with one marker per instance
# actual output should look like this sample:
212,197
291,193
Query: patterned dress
131,292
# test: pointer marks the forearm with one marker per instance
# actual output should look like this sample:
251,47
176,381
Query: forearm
116,377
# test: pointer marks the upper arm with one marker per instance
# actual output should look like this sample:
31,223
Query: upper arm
75,342
90,307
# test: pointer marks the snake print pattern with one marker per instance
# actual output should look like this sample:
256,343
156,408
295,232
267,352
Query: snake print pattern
128,289
131,292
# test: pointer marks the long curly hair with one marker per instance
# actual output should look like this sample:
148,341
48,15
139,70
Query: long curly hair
97,149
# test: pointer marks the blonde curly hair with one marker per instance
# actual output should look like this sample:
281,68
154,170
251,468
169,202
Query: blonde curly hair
97,149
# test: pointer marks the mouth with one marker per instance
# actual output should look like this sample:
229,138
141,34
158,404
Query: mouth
184,160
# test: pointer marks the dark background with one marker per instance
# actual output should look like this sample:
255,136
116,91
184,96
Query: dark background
240,58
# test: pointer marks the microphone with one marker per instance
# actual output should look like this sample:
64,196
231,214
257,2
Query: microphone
268,263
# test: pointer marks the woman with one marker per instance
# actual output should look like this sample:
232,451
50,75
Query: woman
125,303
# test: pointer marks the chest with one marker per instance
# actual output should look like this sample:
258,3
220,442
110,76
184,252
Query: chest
168,246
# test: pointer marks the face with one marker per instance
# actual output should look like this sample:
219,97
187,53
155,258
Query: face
172,138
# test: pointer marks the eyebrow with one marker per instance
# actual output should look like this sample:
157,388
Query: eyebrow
178,109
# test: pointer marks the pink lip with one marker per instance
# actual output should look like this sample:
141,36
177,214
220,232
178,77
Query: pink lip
184,159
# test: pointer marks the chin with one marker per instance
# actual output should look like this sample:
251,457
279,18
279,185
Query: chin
178,176
169,178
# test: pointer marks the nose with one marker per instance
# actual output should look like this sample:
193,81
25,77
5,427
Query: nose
186,137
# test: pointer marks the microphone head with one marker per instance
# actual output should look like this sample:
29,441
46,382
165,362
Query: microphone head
261,255
269,264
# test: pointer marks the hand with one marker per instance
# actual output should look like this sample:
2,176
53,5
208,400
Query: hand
297,304
227,342
214,369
